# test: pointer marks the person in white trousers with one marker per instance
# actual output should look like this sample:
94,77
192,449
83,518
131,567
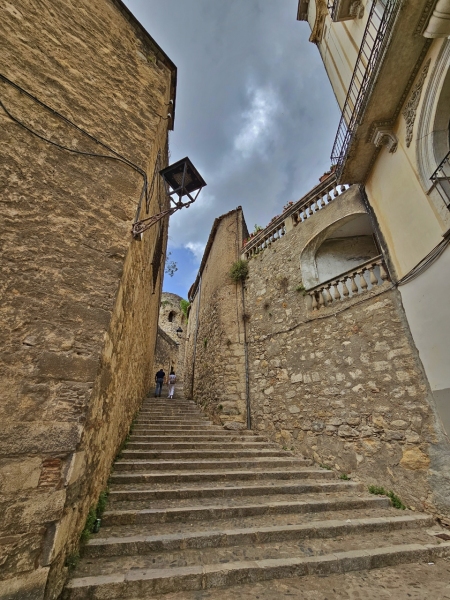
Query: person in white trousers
172,380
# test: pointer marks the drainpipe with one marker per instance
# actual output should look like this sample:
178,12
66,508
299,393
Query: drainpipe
247,383
195,337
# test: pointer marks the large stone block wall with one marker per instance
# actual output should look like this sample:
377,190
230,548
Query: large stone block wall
166,353
344,388
214,364
80,299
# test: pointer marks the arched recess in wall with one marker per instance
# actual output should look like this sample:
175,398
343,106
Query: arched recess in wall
337,249
171,316
432,142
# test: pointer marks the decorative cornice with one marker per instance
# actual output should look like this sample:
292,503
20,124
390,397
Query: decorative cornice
409,112
384,136
426,14
321,13
438,25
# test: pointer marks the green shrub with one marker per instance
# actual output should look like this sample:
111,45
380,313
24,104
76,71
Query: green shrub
184,305
239,270
344,476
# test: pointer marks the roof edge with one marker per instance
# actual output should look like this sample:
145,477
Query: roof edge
160,54
208,247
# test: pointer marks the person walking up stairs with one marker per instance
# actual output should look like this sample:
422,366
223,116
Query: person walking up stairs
195,507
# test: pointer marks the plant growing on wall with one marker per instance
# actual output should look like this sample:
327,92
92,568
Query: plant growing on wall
239,270
184,305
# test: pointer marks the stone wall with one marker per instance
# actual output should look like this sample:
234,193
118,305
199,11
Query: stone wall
171,346
166,353
343,385
215,351
80,299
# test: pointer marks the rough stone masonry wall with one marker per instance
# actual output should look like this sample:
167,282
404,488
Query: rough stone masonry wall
170,303
219,374
347,390
166,353
78,314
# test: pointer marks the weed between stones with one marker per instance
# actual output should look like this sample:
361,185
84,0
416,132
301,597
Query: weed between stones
380,491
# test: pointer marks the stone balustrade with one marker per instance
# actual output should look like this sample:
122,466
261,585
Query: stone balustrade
267,236
317,199
313,201
356,281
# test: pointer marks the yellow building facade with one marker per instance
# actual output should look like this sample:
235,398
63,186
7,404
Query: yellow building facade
388,62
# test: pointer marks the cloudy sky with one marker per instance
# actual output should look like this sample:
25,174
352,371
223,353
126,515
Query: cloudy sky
255,111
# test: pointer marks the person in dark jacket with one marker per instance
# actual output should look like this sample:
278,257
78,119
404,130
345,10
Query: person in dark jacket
159,378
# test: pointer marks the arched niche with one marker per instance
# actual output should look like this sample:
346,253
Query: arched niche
432,141
171,316
338,248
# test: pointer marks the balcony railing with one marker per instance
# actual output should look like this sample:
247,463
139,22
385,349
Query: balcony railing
355,281
382,17
441,179
306,207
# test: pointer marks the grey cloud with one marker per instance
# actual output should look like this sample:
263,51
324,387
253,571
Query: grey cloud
227,54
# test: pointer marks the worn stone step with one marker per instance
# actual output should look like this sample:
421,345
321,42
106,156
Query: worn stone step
186,476
144,544
331,490
191,445
140,583
216,511
215,436
173,421
134,454
192,464
308,473
173,428
235,491
286,543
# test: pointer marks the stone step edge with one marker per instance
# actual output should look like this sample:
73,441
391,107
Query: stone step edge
217,511
141,477
221,575
138,453
224,492
145,544
312,477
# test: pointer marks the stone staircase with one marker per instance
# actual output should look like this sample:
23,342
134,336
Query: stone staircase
193,507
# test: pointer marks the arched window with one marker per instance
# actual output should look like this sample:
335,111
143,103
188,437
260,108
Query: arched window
338,249
171,316
433,143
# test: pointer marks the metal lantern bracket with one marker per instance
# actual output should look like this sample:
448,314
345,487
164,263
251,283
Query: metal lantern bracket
180,179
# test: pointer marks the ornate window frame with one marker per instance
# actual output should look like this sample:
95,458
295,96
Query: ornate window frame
432,142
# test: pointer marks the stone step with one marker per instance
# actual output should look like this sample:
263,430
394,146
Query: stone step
216,511
141,583
308,473
199,427
235,491
199,445
174,413
171,465
215,436
172,422
145,544
190,476
133,454
171,418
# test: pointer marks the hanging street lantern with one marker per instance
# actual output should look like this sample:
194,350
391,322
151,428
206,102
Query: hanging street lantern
181,180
